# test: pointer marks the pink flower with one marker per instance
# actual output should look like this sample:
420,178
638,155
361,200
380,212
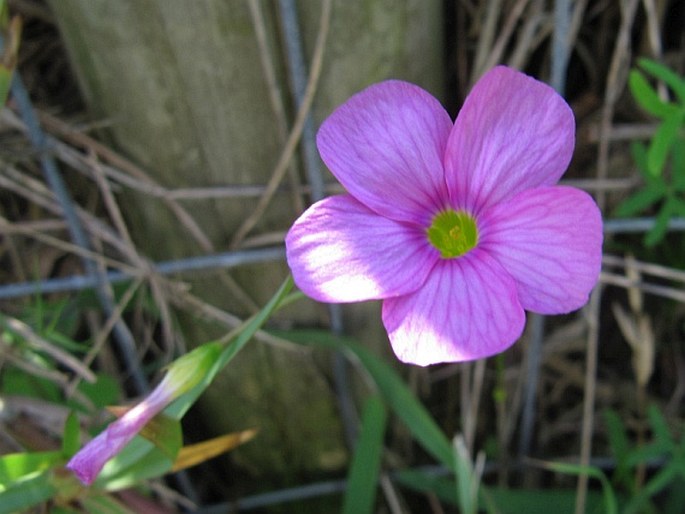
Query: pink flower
457,227
183,374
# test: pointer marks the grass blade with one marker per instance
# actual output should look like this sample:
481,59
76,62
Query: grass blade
27,493
393,389
610,502
362,481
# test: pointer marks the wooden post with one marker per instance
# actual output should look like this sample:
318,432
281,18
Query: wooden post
183,88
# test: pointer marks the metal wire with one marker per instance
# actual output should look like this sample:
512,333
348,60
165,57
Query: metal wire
560,44
205,262
298,84
534,358
637,225
298,81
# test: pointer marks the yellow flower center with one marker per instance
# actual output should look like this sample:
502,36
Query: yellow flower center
454,233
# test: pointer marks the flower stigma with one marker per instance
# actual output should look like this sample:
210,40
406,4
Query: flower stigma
454,233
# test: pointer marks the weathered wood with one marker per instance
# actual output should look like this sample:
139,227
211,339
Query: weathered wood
182,85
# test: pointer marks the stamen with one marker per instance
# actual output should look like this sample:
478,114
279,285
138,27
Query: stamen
454,233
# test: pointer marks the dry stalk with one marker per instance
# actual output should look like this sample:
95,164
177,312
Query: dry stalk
275,96
626,282
7,353
289,149
108,155
104,332
638,333
133,177
497,52
120,226
41,344
647,268
35,233
186,300
486,36
534,30
615,84
472,377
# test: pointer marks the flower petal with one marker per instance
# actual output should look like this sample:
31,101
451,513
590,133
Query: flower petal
341,251
550,240
512,133
467,309
89,460
386,145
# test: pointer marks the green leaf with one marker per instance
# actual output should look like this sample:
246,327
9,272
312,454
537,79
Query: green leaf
618,439
671,78
610,502
656,484
620,447
678,167
658,231
468,481
542,501
675,496
6,76
105,391
71,438
662,142
154,465
640,200
639,153
647,97
8,60
362,480
4,14
17,466
25,494
392,387
506,501
678,206
660,430
17,381
649,452
105,504
426,482
140,460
